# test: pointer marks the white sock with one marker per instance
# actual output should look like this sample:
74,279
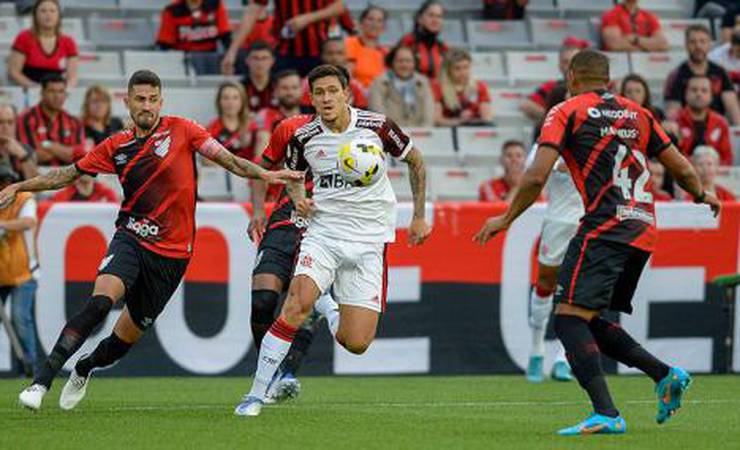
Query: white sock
560,356
539,315
327,307
275,346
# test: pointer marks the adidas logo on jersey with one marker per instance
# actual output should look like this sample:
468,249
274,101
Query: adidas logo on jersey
163,147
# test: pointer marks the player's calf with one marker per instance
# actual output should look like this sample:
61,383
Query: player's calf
264,305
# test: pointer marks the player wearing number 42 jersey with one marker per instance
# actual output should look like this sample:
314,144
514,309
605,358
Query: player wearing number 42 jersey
605,140
349,227
148,255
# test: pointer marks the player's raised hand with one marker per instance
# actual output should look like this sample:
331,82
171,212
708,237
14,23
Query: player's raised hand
283,176
7,195
305,208
257,226
491,228
419,231
713,203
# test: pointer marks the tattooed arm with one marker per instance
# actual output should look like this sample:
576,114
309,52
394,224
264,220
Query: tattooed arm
54,179
242,167
419,230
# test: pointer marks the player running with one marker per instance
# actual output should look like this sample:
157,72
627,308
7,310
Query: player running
148,255
564,210
343,248
605,140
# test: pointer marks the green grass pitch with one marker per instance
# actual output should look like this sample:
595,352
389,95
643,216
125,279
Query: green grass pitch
358,413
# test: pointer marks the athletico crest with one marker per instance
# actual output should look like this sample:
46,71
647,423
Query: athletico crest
163,147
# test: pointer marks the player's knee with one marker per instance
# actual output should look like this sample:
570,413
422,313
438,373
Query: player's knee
356,343
264,304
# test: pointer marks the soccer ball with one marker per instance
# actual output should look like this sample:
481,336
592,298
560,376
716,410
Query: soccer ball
361,162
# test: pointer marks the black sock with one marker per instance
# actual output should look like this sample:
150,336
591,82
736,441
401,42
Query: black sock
108,351
264,305
585,361
73,335
619,345
298,349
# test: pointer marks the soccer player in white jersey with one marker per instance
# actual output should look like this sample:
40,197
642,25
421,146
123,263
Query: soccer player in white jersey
348,230
564,210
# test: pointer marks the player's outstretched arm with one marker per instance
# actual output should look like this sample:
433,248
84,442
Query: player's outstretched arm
683,172
533,181
419,230
241,167
54,179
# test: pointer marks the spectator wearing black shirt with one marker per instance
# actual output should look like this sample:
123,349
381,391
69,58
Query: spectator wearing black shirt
504,9
258,83
724,97
96,115
730,22
17,156
194,26
425,40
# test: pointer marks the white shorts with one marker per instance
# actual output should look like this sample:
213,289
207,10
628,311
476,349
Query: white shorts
554,240
356,271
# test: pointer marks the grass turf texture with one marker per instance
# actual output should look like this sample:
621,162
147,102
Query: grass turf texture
363,413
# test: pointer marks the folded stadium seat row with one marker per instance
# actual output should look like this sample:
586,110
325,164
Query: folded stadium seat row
466,145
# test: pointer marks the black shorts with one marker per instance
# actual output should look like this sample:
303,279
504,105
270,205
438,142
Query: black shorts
150,279
600,274
277,252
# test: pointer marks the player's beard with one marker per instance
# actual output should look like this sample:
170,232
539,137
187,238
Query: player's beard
145,120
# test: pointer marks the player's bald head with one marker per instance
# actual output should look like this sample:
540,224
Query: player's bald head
589,68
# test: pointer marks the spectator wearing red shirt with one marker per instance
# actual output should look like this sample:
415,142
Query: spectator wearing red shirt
288,94
57,136
534,105
43,49
334,52
460,98
299,28
657,176
425,41
232,127
86,189
365,55
504,9
194,26
261,31
698,43
628,28
706,163
258,81
699,125
513,156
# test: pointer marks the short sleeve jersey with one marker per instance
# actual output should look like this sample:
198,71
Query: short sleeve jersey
606,141
343,211
193,31
642,23
39,63
158,177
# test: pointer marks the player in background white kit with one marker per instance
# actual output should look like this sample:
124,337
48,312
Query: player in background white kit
564,211
343,248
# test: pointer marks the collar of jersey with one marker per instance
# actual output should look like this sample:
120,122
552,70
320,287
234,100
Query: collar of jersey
352,122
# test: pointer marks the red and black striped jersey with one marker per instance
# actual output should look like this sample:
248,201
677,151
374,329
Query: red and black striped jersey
259,99
34,127
194,30
306,42
157,174
606,140
239,142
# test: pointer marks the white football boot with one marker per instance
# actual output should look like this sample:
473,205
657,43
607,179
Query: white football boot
32,396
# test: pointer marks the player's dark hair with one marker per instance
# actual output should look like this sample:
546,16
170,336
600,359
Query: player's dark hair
328,70
697,28
258,46
52,78
370,8
590,66
285,74
394,51
512,143
144,77
331,40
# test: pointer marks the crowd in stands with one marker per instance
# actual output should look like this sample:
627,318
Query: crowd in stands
419,81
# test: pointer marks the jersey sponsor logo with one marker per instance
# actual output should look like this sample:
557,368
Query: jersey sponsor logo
634,213
298,221
622,133
596,113
121,159
104,263
147,322
142,228
163,147
198,32
395,138
332,181
369,123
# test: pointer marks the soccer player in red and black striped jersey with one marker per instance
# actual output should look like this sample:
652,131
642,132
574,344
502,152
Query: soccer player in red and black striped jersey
148,255
606,141
299,27
194,26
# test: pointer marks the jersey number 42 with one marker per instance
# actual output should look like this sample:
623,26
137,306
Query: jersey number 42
625,183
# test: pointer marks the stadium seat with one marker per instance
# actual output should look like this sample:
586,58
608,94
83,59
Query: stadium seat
394,29
14,95
203,63
456,183
735,134
532,67
669,9
89,4
619,64
148,5
100,66
121,33
674,30
453,32
213,184
506,103
482,146
71,26
655,66
9,28
169,65
550,33
436,144
193,103
584,8
488,66
542,9
496,35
